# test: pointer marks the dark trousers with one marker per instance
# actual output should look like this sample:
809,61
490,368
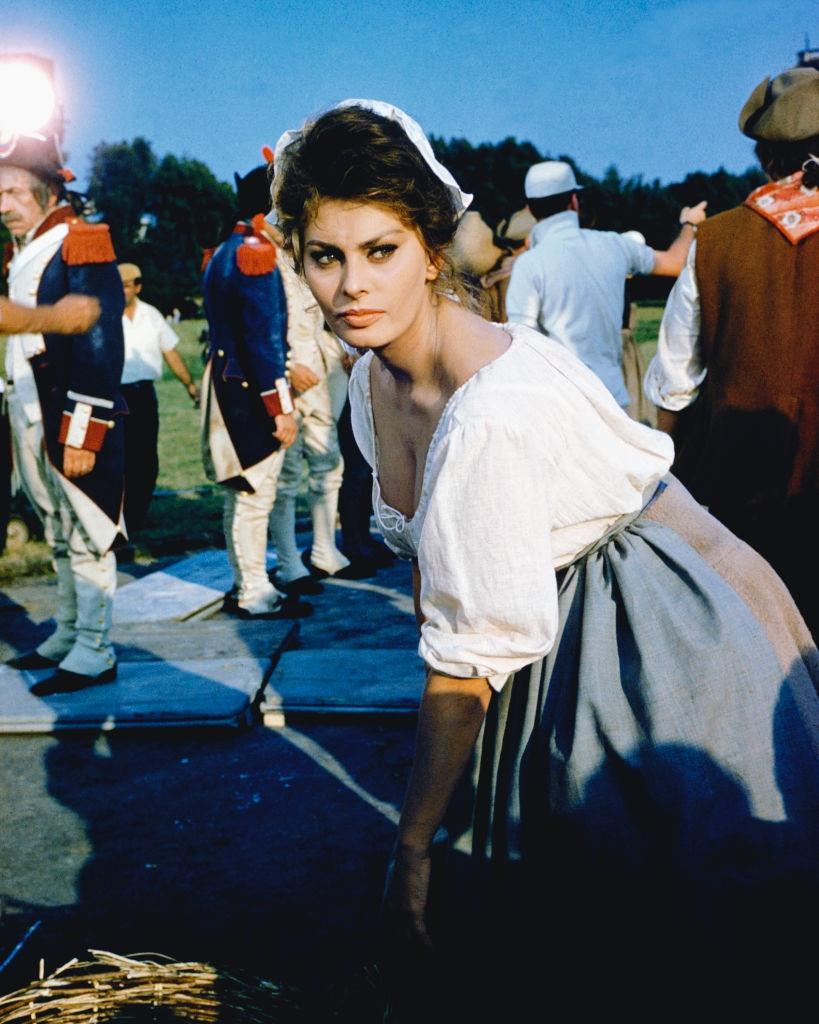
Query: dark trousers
355,496
141,459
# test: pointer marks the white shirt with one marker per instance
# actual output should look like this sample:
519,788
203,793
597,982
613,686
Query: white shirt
674,375
535,449
147,336
570,285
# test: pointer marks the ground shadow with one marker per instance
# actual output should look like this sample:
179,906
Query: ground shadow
236,846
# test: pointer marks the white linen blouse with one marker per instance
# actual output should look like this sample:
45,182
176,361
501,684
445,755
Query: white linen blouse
532,461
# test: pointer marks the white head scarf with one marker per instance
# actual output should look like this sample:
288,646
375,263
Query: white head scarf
414,133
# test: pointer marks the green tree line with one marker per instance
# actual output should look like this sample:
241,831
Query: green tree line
163,213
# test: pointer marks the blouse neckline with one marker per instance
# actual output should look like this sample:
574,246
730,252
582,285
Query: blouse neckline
400,517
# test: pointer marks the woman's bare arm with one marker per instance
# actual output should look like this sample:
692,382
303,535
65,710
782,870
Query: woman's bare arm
450,718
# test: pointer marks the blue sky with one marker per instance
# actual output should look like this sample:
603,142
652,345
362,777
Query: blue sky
653,86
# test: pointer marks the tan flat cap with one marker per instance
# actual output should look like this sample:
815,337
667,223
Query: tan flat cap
784,108
129,271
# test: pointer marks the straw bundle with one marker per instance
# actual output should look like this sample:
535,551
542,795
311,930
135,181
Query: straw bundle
147,988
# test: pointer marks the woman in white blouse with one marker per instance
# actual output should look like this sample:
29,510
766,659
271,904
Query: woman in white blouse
632,686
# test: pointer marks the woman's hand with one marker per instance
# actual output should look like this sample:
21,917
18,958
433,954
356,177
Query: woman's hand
406,895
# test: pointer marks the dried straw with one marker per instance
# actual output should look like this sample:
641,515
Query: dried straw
149,988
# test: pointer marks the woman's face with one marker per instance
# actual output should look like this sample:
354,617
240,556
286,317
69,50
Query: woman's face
368,271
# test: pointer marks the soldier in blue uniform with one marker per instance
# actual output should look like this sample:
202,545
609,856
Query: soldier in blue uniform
65,409
248,413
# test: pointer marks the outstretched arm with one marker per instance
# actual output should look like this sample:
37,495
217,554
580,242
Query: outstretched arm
669,262
72,314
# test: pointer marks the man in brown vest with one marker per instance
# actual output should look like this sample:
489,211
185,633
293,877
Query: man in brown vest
736,375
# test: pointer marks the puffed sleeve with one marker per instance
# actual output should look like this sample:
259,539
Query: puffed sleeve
488,587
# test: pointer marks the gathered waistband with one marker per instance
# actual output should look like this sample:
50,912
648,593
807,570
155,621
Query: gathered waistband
616,527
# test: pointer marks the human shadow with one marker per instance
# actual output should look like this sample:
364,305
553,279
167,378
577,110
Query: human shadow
658,891
238,846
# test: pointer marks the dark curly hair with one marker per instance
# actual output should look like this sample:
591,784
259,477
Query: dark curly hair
354,153
781,158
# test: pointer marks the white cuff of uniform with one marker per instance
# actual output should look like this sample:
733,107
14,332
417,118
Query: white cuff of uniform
103,403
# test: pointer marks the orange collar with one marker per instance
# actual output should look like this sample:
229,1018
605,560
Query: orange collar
789,206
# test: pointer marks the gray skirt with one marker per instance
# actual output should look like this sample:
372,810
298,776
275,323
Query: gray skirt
661,762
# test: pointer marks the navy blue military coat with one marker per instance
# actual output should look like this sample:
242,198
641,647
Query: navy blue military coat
86,367
247,320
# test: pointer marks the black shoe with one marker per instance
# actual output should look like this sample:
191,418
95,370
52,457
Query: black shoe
32,661
304,586
372,551
64,681
380,554
359,570
290,608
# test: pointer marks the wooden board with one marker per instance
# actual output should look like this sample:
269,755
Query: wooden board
186,588
361,681
213,692
219,637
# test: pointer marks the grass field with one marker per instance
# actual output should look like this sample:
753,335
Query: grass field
186,513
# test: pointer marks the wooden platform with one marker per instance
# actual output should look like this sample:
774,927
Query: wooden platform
163,680
183,661
343,681
193,584
156,693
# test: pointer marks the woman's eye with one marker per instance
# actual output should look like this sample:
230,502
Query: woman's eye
382,252
323,258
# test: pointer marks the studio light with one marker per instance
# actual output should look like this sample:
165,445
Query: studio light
28,100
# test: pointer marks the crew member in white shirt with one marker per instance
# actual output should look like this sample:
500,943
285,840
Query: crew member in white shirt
149,340
570,283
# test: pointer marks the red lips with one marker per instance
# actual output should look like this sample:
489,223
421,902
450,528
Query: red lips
360,317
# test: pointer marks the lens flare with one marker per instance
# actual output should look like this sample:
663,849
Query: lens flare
27,100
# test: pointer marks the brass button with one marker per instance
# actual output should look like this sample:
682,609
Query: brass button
245,384
111,424
220,352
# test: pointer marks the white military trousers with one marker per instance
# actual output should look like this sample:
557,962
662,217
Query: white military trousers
318,410
86,579
246,516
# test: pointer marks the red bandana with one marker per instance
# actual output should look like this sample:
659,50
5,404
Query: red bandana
790,207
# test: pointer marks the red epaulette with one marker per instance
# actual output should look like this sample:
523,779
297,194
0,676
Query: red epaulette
87,243
207,256
256,256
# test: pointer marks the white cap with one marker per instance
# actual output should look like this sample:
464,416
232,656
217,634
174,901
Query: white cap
416,136
550,178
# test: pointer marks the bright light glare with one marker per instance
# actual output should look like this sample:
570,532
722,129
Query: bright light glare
27,100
